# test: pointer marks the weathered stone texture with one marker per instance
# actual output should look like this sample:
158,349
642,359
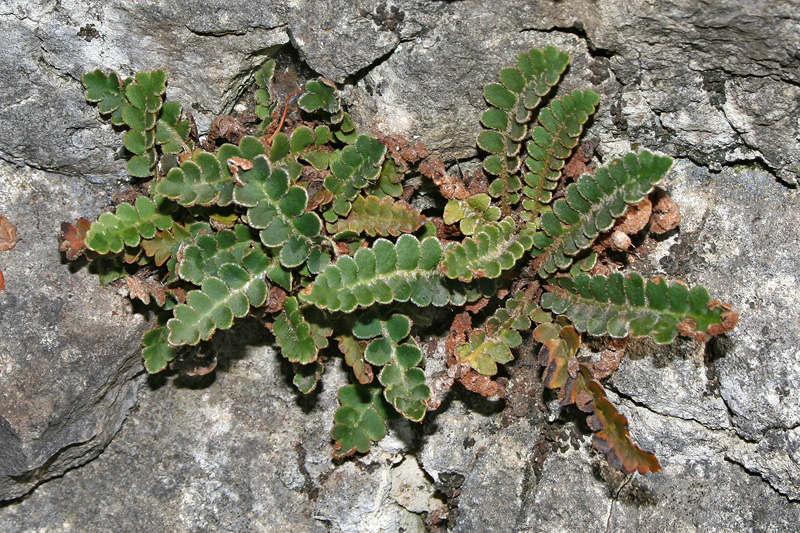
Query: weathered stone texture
713,83
69,351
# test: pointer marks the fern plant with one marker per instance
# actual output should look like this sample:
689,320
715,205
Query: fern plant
303,226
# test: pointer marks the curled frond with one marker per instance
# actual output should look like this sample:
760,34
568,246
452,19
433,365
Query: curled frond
559,345
611,435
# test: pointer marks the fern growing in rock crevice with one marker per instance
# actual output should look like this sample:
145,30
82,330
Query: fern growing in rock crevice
305,227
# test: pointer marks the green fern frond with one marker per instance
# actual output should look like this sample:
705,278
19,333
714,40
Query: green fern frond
139,104
107,91
204,257
282,153
145,96
471,213
384,273
405,386
278,209
352,169
359,419
591,205
552,141
492,343
493,249
307,376
620,305
206,178
389,347
300,340
309,145
157,352
127,227
220,300
370,325
321,96
390,181
381,217
172,133
197,181
512,101
265,100
248,148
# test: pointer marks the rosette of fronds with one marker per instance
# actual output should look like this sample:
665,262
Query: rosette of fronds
317,230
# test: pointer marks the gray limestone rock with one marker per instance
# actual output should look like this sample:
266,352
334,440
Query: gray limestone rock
660,71
731,239
714,83
672,380
699,489
340,39
69,352
242,451
209,49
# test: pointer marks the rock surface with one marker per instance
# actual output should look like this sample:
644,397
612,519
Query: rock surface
715,83
69,352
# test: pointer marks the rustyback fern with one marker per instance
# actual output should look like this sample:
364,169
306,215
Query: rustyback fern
382,217
591,205
308,225
384,273
619,306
